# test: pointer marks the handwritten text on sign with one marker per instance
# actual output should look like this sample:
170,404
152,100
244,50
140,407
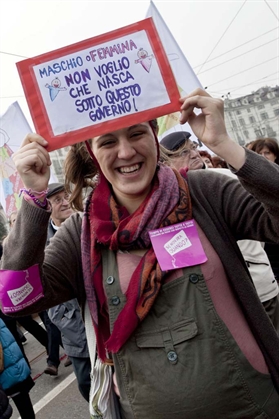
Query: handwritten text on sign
122,78
101,83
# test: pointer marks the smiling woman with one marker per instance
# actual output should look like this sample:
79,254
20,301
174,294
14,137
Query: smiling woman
127,159
162,333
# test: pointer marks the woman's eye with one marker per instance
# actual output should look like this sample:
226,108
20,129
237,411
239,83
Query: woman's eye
107,142
137,134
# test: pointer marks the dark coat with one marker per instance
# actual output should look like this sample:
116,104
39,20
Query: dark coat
6,410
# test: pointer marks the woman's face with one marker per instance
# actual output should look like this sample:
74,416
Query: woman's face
207,162
128,158
267,154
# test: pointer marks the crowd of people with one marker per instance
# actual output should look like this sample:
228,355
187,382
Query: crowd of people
63,327
197,341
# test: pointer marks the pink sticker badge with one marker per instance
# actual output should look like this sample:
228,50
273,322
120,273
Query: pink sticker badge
177,246
20,289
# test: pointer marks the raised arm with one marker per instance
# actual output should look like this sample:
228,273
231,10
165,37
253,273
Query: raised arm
60,265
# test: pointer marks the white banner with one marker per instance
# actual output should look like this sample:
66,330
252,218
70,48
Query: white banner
13,128
186,79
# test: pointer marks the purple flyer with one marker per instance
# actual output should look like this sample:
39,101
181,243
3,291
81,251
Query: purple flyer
177,246
20,289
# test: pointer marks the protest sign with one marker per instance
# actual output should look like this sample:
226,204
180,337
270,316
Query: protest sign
99,85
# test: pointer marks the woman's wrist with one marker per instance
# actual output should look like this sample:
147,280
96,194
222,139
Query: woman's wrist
231,152
35,198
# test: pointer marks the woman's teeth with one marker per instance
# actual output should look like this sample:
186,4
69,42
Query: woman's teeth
130,169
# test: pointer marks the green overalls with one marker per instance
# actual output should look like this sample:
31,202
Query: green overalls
182,362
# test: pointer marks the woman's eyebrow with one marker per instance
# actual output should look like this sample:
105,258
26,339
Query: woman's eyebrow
97,139
109,133
136,126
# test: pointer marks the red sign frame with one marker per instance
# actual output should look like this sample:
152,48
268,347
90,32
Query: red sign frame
37,108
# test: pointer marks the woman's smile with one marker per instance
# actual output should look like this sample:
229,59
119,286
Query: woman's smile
130,169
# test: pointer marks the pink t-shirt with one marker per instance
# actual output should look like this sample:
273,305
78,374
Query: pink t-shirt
222,296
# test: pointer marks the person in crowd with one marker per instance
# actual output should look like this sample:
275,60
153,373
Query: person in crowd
193,341
175,140
67,316
267,147
176,144
15,379
54,343
12,218
207,158
11,323
49,338
252,251
32,326
6,409
218,162
21,335
35,329
54,334
249,145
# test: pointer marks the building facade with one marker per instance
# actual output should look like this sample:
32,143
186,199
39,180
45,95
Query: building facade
253,116
58,158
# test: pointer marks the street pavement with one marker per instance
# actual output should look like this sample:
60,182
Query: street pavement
52,397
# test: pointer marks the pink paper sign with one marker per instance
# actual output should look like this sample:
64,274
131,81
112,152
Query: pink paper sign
20,289
177,246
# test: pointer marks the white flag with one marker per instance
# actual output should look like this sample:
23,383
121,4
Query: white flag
13,128
186,79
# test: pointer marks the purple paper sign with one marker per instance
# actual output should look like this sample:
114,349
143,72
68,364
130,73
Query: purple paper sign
20,289
177,246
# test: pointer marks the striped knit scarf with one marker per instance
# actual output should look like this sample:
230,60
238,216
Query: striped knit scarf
106,224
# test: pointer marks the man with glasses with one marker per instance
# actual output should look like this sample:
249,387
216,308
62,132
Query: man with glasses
61,209
66,318
60,212
183,151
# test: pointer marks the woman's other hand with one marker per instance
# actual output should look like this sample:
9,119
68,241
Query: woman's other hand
33,162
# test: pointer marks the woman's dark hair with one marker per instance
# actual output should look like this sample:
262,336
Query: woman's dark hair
81,171
218,162
154,124
270,143
204,153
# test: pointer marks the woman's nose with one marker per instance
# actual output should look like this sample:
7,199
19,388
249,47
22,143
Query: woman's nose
125,150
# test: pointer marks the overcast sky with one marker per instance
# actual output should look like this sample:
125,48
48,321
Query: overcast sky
210,34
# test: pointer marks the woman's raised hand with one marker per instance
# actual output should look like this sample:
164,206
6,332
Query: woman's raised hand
209,126
33,162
